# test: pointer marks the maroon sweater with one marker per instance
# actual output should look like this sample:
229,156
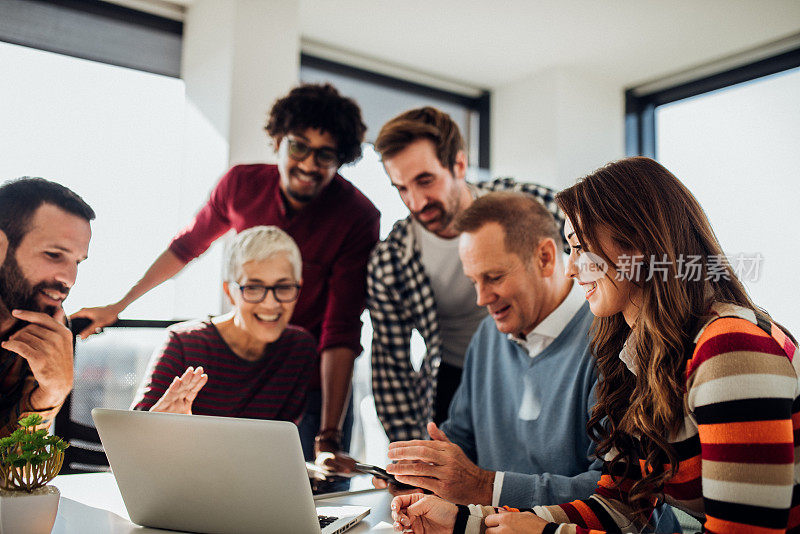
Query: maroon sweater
273,387
335,233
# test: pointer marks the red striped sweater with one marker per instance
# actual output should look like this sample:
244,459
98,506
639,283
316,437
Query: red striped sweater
273,387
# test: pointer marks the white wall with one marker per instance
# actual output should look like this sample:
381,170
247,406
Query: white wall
239,56
555,126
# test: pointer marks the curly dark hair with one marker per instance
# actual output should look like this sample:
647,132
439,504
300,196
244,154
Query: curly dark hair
321,107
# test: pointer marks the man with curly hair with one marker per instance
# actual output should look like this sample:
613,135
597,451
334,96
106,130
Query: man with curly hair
314,130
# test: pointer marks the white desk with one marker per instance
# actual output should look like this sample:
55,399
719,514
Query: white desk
92,504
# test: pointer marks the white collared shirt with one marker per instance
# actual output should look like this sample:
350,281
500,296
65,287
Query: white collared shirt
551,327
627,355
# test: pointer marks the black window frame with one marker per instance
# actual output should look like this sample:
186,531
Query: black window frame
480,104
103,25
640,109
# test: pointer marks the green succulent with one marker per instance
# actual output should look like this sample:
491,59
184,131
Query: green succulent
30,458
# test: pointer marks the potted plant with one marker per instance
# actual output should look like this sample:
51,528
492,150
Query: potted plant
29,459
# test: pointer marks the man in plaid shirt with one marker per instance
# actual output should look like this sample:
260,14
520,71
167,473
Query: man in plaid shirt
415,279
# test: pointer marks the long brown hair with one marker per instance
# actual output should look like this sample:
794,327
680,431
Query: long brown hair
642,207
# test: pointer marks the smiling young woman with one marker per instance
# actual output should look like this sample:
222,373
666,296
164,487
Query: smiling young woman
691,367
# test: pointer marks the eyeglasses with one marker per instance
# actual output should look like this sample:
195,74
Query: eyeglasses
255,293
325,157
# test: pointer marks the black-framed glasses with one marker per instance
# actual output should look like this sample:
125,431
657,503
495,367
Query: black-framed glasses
325,157
255,293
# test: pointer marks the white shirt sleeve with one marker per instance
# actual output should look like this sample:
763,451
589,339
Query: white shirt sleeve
498,487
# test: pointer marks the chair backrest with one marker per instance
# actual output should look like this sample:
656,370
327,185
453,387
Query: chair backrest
109,368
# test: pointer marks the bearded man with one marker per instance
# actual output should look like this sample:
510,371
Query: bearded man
44,235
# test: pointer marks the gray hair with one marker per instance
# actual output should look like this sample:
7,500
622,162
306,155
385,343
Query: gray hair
256,244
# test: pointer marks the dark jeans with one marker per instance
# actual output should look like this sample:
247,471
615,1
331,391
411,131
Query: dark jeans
446,386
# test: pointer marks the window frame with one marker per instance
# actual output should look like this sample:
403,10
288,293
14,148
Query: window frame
480,104
97,31
640,108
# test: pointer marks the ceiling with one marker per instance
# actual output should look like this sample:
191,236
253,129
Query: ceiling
491,43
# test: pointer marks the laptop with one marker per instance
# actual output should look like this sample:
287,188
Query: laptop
208,474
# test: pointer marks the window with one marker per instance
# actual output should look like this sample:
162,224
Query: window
382,97
733,140
113,135
100,31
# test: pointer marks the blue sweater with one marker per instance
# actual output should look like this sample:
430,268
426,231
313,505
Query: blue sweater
542,445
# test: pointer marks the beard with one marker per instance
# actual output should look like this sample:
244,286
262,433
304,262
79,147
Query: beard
17,293
447,214
302,196
440,222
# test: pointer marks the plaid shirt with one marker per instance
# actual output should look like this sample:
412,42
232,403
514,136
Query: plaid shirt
400,300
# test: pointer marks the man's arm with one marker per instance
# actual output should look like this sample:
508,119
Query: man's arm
341,330
208,224
165,267
336,372
399,408
46,345
521,490
441,467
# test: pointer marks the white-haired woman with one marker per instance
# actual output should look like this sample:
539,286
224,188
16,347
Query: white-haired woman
249,362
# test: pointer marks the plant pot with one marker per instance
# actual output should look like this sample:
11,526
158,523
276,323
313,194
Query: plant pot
28,513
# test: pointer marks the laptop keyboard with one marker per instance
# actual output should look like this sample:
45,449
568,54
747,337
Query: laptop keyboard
325,520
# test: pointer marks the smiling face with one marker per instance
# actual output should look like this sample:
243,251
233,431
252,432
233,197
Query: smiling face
511,289
302,180
263,322
609,293
433,194
40,272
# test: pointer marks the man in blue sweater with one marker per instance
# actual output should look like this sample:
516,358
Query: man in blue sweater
527,387
520,412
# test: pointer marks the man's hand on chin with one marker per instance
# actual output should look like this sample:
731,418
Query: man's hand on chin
46,344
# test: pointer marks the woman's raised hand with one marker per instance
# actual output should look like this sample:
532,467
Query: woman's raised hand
181,392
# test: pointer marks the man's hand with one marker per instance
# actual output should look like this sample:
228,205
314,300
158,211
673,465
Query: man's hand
423,514
181,392
328,455
101,316
441,467
46,344
512,522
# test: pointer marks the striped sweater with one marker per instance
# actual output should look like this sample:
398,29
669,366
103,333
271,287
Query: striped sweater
736,449
738,463
273,387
